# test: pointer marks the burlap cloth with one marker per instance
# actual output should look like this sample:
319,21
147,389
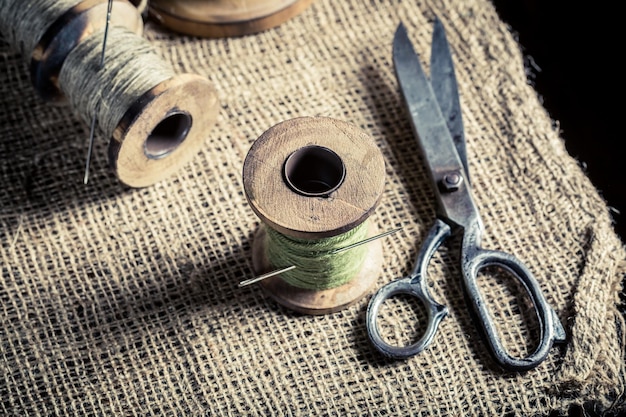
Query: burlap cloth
118,301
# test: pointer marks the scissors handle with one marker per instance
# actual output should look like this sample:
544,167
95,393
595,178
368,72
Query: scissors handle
416,286
551,329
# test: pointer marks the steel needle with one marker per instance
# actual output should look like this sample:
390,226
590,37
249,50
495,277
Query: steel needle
92,130
264,276
363,242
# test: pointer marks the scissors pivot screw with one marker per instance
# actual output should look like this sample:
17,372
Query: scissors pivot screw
452,181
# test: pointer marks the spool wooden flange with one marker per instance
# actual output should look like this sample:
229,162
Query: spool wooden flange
223,18
69,30
296,212
163,130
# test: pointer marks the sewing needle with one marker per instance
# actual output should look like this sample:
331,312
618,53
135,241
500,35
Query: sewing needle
264,276
363,242
92,130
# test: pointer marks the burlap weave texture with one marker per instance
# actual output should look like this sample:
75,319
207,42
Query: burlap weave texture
118,301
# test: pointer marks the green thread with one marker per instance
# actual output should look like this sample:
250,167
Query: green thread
317,268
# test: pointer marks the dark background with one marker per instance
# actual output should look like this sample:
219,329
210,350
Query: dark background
576,47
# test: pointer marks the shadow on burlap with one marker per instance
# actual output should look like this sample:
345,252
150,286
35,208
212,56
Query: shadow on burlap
119,301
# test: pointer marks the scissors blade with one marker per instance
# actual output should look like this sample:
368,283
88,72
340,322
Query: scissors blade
434,138
444,84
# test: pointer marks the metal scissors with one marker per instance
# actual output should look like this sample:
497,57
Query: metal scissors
435,115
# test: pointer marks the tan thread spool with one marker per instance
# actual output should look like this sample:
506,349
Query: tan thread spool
224,18
157,120
154,128
45,31
279,206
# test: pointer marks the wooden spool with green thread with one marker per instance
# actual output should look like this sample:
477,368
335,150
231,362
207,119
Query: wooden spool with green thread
314,181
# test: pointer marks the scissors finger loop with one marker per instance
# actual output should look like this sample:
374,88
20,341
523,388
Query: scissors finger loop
415,286
551,329
436,312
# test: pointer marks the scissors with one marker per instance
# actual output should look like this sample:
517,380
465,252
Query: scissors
435,115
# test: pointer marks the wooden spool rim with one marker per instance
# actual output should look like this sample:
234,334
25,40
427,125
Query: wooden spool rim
188,104
319,302
301,216
73,26
206,19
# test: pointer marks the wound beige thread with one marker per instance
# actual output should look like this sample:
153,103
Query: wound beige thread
23,23
132,68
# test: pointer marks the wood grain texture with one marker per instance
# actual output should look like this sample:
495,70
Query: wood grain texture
313,217
187,94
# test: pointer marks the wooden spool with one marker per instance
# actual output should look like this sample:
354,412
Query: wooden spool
69,30
314,177
223,18
164,128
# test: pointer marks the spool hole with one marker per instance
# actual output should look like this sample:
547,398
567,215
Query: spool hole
314,171
167,135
